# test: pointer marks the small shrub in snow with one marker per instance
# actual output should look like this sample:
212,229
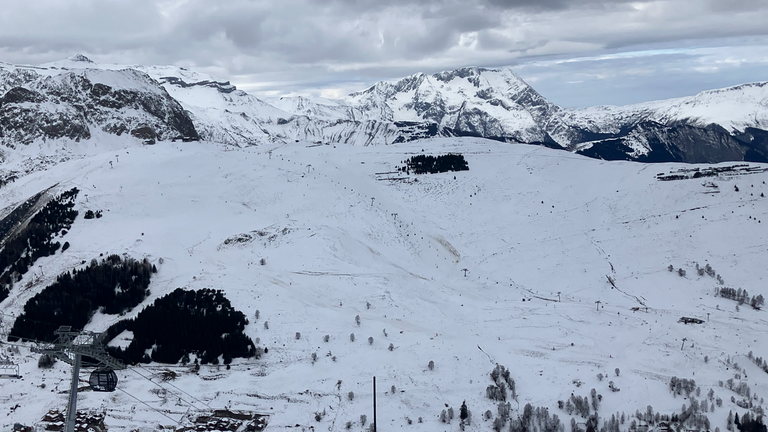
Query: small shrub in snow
363,419
326,338
351,395
671,268
617,371
314,357
370,340
393,389
257,314
391,347
357,320
431,365
487,415
263,261
600,376
298,335
266,325
681,272
367,305
349,425
352,337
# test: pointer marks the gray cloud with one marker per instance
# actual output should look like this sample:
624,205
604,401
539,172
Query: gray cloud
335,44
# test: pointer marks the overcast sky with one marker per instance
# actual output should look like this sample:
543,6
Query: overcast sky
574,52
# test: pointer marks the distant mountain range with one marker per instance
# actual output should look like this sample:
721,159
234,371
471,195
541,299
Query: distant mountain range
72,98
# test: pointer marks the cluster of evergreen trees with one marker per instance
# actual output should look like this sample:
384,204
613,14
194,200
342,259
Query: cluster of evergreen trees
423,164
536,420
741,296
762,364
580,405
502,380
747,423
114,285
35,240
185,322
678,386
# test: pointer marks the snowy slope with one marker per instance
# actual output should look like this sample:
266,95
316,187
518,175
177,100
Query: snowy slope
537,230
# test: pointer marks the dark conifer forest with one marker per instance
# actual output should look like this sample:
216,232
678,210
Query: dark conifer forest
423,164
114,285
185,322
35,240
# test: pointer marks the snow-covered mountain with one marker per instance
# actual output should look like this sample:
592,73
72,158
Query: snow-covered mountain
73,100
724,124
469,101
58,100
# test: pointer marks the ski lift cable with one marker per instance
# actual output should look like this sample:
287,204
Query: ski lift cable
178,422
177,388
134,367
180,398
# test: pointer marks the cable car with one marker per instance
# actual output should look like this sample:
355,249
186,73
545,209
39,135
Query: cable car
103,380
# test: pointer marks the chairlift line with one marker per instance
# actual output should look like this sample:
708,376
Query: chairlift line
70,347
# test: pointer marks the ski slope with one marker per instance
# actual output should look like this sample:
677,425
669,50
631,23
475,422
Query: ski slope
537,230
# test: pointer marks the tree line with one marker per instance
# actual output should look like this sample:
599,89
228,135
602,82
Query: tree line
741,296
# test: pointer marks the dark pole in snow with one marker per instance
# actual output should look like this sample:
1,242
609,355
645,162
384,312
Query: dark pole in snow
374,404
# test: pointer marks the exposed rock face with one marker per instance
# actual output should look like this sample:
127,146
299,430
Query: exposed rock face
50,104
468,101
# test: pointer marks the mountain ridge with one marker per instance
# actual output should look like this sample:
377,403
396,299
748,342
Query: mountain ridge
726,124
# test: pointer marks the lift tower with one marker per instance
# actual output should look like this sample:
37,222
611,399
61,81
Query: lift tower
70,347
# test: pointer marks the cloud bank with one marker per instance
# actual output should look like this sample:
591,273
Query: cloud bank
576,52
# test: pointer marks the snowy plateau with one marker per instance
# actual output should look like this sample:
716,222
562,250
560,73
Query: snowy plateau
572,272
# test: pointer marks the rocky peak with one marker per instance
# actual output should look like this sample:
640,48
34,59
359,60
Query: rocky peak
70,103
80,58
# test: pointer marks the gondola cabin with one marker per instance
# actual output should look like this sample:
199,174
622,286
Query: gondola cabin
103,380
